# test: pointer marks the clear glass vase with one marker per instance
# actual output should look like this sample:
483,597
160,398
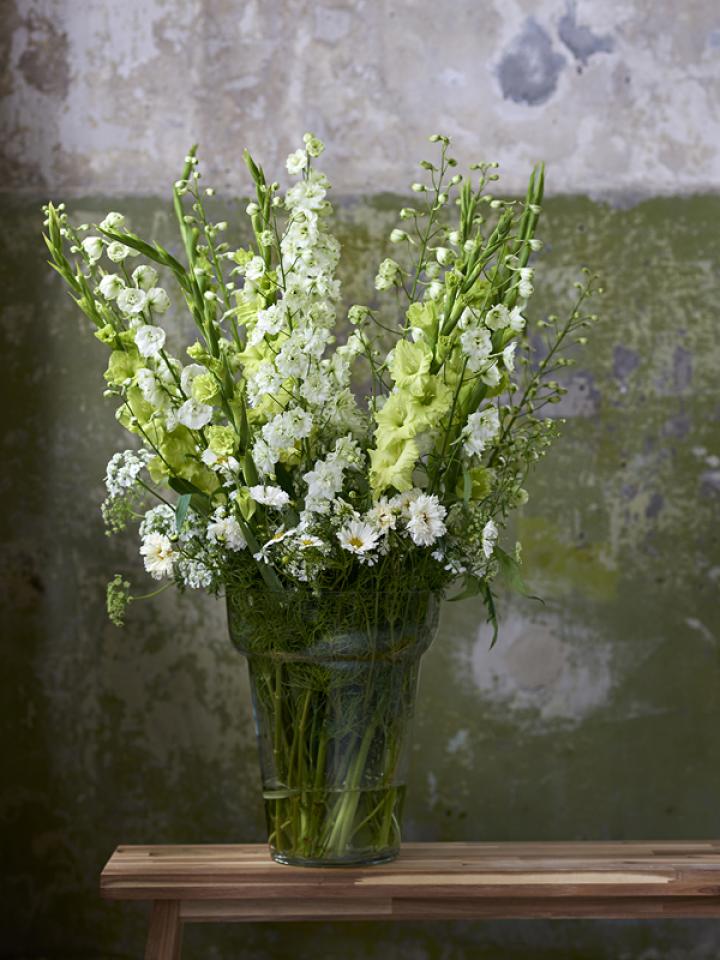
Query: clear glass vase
333,685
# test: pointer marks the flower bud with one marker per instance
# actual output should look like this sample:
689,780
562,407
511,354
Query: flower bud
444,256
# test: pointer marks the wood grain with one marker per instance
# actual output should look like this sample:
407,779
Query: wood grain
431,880
165,932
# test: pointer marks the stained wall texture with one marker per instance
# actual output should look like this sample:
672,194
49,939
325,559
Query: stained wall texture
618,95
597,715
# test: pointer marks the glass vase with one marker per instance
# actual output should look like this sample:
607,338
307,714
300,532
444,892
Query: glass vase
333,684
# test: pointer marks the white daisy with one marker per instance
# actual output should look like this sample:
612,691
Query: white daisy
425,524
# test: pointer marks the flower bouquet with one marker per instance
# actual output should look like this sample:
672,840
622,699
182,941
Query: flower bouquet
332,492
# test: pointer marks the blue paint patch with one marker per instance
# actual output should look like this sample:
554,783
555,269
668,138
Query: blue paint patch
580,40
624,362
529,69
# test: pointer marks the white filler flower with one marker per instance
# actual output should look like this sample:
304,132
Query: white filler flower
489,538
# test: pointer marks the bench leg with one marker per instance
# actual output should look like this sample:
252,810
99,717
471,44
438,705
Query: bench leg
165,933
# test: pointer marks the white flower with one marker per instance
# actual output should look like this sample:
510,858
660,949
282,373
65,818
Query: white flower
489,539
306,540
188,374
382,516
117,251
517,320
508,355
296,163
144,276
255,268
358,537
497,317
226,530
482,427
112,221
426,515
444,256
93,247
269,496
280,534
491,375
131,301
477,345
123,470
525,287
151,388
149,340
269,323
111,285
194,415
158,554
388,275
158,299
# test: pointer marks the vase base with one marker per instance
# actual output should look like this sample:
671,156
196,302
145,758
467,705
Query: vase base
359,859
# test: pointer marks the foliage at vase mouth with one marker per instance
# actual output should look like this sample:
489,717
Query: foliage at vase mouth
282,461
387,622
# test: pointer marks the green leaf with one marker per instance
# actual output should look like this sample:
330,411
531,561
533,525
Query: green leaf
180,485
181,510
472,589
510,569
489,600
153,252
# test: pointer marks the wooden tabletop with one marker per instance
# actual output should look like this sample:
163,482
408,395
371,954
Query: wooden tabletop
427,881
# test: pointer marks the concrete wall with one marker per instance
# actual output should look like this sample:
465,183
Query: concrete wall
614,95
597,715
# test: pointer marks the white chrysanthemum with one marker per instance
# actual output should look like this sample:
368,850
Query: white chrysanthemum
131,301
425,523
296,163
489,539
194,415
226,530
358,537
497,317
144,277
93,247
269,496
482,427
476,343
149,340
111,285
158,555
383,515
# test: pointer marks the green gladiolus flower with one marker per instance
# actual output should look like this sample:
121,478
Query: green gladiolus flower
393,466
410,360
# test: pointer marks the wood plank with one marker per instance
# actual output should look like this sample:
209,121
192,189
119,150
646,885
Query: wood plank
436,879
165,932
237,911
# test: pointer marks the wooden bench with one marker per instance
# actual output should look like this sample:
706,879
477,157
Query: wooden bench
429,881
